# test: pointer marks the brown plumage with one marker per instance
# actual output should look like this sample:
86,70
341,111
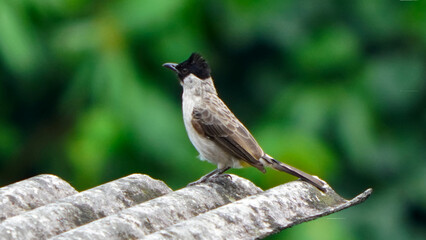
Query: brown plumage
221,126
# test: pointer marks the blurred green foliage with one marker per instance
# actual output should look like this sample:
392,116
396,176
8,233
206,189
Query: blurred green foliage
336,88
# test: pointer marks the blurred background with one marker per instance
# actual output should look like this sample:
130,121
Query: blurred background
335,88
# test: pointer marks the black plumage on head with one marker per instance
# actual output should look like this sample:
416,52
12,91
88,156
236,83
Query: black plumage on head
196,65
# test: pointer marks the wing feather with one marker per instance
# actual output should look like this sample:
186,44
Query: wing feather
220,125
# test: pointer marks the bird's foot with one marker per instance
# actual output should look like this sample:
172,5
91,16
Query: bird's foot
201,180
221,176
211,175
211,178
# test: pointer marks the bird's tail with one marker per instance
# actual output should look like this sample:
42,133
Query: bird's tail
294,171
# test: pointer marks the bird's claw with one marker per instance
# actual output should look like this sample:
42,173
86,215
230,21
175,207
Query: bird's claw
223,175
210,179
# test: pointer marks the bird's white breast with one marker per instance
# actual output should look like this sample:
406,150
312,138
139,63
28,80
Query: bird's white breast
208,149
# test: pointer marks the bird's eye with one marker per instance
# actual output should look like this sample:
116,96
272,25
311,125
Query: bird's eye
184,71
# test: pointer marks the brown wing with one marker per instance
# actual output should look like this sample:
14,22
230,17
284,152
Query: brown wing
215,121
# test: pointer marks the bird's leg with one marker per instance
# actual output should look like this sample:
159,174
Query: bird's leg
209,175
205,177
220,173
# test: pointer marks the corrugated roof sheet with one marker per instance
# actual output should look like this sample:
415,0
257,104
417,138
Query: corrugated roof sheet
139,207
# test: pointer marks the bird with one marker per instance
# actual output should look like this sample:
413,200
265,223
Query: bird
216,133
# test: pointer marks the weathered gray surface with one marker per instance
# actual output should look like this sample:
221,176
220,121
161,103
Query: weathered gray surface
81,208
156,214
138,207
32,193
261,215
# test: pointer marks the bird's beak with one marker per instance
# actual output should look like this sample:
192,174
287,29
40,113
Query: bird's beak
171,66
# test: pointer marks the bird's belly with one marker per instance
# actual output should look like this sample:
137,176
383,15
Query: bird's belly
208,149
211,152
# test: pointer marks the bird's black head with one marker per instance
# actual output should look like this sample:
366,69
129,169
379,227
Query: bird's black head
195,64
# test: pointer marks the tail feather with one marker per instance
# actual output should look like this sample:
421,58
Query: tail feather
295,172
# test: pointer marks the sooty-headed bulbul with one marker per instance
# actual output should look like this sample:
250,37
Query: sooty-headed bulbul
213,129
